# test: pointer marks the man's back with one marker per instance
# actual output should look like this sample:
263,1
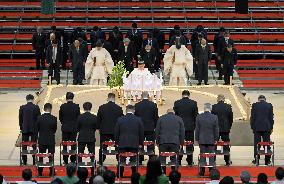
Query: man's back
225,116
68,115
129,131
170,129
87,125
207,129
148,112
262,116
28,115
107,117
47,126
186,109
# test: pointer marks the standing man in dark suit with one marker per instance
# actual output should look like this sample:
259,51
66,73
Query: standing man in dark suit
160,37
229,60
148,112
206,132
148,55
95,35
115,38
46,128
224,113
78,33
78,57
129,134
170,133
28,115
262,121
202,58
68,114
126,53
38,42
108,115
216,43
187,109
151,41
54,60
87,125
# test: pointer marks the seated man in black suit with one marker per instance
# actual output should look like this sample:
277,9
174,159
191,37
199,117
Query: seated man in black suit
46,126
87,125
129,134
28,115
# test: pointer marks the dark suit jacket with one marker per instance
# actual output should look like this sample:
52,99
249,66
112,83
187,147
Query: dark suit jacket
262,117
75,35
129,131
207,129
202,55
222,45
77,58
28,115
68,114
46,126
128,56
170,130
186,109
149,58
87,125
115,39
229,58
59,55
95,36
154,44
225,116
160,37
108,115
136,38
38,42
148,112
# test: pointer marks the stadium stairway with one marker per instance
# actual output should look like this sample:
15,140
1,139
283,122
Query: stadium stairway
258,35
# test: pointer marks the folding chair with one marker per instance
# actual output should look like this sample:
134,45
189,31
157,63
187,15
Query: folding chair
268,150
108,148
206,160
27,148
71,149
220,148
148,148
169,159
127,159
187,148
41,161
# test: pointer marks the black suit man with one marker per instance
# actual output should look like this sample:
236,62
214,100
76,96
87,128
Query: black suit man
206,132
262,121
95,35
78,57
126,53
54,60
170,133
160,37
87,125
68,114
129,134
224,113
28,115
187,109
149,55
115,38
148,112
107,117
202,58
229,60
77,34
216,43
46,126
38,42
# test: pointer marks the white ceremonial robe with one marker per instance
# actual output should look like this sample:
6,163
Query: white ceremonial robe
98,72
178,63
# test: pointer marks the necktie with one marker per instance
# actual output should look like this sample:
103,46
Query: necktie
53,55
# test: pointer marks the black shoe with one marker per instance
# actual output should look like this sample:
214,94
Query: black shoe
220,78
201,173
58,83
268,163
81,83
253,161
206,84
199,84
190,164
229,163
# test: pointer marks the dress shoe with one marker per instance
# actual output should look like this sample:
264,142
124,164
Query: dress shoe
268,163
198,84
206,84
253,161
229,163
201,173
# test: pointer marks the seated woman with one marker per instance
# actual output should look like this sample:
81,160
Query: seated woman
154,173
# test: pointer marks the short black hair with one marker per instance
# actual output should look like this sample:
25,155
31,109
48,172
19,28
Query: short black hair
30,97
279,173
71,169
176,27
227,180
185,93
82,173
47,106
262,178
69,96
261,97
95,28
27,174
99,43
87,106
135,178
174,177
53,28
214,174
130,107
101,170
111,95
134,25
109,177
